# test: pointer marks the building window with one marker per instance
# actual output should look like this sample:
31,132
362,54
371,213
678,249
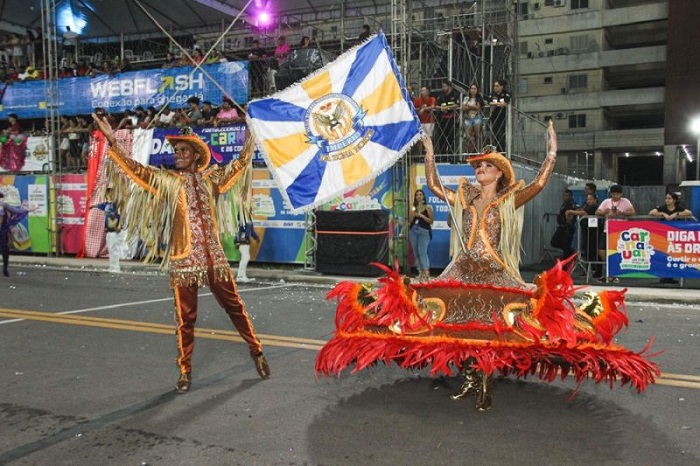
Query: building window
523,48
548,80
549,41
578,43
578,81
581,164
524,7
522,85
577,121
577,4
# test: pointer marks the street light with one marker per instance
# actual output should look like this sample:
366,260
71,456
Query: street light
695,128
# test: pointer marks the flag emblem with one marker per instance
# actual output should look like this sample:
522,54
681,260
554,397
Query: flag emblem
335,124
336,129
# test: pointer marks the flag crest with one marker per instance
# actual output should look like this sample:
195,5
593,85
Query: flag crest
337,128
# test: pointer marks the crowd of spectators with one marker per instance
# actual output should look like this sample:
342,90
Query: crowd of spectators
18,64
15,67
20,58
449,116
19,50
74,142
74,131
196,113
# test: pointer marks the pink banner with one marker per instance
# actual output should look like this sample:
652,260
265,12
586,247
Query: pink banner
71,199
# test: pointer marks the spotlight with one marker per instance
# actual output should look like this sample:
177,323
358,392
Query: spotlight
695,126
264,18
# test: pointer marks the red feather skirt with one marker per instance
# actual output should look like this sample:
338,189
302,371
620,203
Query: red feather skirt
521,331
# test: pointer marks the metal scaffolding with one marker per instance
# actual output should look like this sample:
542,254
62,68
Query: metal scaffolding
400,44
432,42
52,129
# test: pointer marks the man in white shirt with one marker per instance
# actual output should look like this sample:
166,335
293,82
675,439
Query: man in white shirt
166,118
615,206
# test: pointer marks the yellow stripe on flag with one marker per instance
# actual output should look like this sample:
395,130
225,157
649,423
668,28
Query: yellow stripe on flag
354,169
383,97
318,86
282,150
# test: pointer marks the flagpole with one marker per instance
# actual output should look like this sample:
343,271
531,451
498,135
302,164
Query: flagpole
452,215
197,66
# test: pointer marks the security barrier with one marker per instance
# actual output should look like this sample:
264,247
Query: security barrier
589,240
548,226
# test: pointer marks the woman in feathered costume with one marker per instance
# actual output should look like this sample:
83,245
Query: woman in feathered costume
479,316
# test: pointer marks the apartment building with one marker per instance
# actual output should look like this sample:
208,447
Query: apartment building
598,68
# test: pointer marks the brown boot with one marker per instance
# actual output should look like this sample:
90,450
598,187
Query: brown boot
261,365
484,396
183,383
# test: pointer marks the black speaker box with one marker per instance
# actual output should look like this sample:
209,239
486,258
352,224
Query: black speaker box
349,241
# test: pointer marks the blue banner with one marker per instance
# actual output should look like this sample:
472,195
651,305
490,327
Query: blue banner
281,232
225,142
450,174
116,93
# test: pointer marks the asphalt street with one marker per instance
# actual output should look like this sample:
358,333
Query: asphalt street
87,377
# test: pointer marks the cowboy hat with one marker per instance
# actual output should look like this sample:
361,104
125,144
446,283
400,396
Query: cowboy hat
499,161
188,136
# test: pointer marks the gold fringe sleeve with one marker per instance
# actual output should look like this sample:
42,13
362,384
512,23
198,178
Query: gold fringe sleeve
522,196
151,196
241,199
225,177
432,179
456,245
139,174
231,202
511,234
154,213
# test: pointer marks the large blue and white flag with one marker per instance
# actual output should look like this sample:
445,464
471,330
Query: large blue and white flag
337,128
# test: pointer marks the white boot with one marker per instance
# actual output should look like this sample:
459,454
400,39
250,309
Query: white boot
114,249
242,275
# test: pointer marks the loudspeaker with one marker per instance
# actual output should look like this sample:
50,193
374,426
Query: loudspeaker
348,241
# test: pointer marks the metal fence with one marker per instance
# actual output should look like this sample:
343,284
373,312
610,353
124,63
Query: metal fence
591,244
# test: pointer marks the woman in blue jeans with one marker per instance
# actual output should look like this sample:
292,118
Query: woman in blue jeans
421,219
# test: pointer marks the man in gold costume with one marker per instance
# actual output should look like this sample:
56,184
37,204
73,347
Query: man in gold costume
178,208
